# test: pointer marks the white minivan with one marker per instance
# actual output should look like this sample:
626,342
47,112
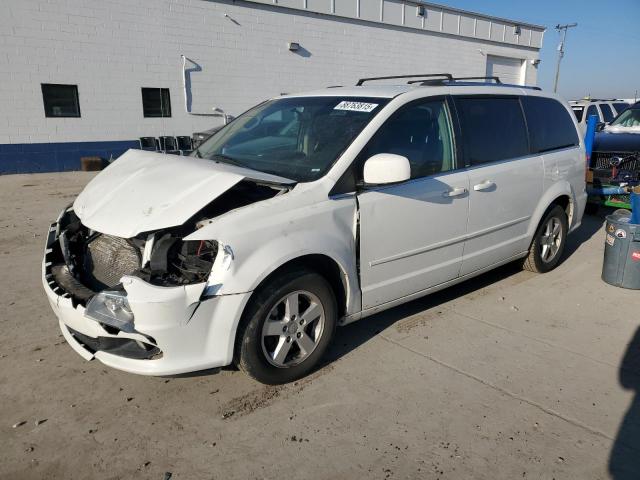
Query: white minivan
307,212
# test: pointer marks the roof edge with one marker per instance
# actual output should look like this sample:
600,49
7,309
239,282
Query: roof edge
478,14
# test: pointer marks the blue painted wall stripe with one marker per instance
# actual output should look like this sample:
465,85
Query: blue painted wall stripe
56,157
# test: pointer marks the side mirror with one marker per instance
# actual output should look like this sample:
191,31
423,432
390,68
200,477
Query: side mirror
385,168
600,126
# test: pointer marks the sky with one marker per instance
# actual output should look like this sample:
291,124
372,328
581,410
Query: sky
602,54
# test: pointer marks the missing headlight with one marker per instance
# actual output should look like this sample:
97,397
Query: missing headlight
177,262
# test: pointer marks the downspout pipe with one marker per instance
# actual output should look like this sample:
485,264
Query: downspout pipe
186,88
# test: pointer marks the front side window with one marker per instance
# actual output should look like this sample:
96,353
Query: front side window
492,128
156,102
592,110
550,125
298,138
420,132
60,100
629,118
607,112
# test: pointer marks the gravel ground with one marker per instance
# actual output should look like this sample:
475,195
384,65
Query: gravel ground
511,375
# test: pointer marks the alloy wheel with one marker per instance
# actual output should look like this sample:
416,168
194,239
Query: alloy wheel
551,239
292,329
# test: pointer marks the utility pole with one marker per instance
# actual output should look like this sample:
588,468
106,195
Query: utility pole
564,29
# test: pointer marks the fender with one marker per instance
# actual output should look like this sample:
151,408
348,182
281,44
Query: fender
263,240
558,189
275,254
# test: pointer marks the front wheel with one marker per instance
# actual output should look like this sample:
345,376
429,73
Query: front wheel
549,242
287,327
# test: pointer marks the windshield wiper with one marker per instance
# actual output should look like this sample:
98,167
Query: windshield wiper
221,157
197,153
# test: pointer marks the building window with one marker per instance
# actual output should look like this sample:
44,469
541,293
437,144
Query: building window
60,100
156,102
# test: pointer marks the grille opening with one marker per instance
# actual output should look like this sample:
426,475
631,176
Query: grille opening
601,160
106,259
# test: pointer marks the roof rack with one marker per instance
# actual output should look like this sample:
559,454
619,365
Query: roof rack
495,79
452,79
447,76
433,79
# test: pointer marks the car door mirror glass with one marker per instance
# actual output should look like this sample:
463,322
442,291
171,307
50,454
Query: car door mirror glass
386,168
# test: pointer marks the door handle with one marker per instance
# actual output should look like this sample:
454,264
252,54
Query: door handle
486,185
455,192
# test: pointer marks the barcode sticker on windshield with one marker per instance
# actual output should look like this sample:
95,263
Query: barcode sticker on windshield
356,106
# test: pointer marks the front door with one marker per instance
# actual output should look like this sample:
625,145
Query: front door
412,233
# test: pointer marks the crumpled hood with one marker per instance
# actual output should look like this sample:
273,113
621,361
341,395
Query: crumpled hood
143,191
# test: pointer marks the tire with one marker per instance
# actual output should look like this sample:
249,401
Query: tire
286,328
536,260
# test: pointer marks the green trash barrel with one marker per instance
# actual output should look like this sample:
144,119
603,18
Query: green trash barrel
621,265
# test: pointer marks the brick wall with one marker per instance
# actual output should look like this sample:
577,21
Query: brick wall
112,48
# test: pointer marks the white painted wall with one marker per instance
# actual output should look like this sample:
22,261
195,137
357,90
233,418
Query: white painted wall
111,48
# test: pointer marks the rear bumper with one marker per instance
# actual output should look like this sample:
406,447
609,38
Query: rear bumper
176,331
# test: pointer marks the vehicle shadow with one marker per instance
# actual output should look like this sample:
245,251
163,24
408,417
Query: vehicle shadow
591,225
624,460
352,336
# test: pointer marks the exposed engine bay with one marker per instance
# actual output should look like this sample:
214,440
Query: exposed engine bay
85,262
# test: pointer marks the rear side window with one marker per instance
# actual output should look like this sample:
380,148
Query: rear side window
492,128
592,110
607,112
578,111
550,125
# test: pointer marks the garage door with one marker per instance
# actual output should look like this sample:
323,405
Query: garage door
508,69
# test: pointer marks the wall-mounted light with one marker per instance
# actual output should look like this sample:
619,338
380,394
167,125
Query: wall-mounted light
517,30
293,46
535,62
420,11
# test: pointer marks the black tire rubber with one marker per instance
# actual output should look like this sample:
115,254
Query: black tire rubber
533,261
248,354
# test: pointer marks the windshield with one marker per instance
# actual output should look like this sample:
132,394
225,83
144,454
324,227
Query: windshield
629,118
578,112
297,138
620,106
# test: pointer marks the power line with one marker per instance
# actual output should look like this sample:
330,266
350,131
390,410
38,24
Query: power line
564,29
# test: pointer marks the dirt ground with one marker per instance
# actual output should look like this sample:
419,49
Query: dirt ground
511,375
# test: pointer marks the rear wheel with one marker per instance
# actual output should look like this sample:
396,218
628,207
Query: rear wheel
286,328
549,242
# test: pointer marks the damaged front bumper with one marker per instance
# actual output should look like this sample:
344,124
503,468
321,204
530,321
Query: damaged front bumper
175,329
